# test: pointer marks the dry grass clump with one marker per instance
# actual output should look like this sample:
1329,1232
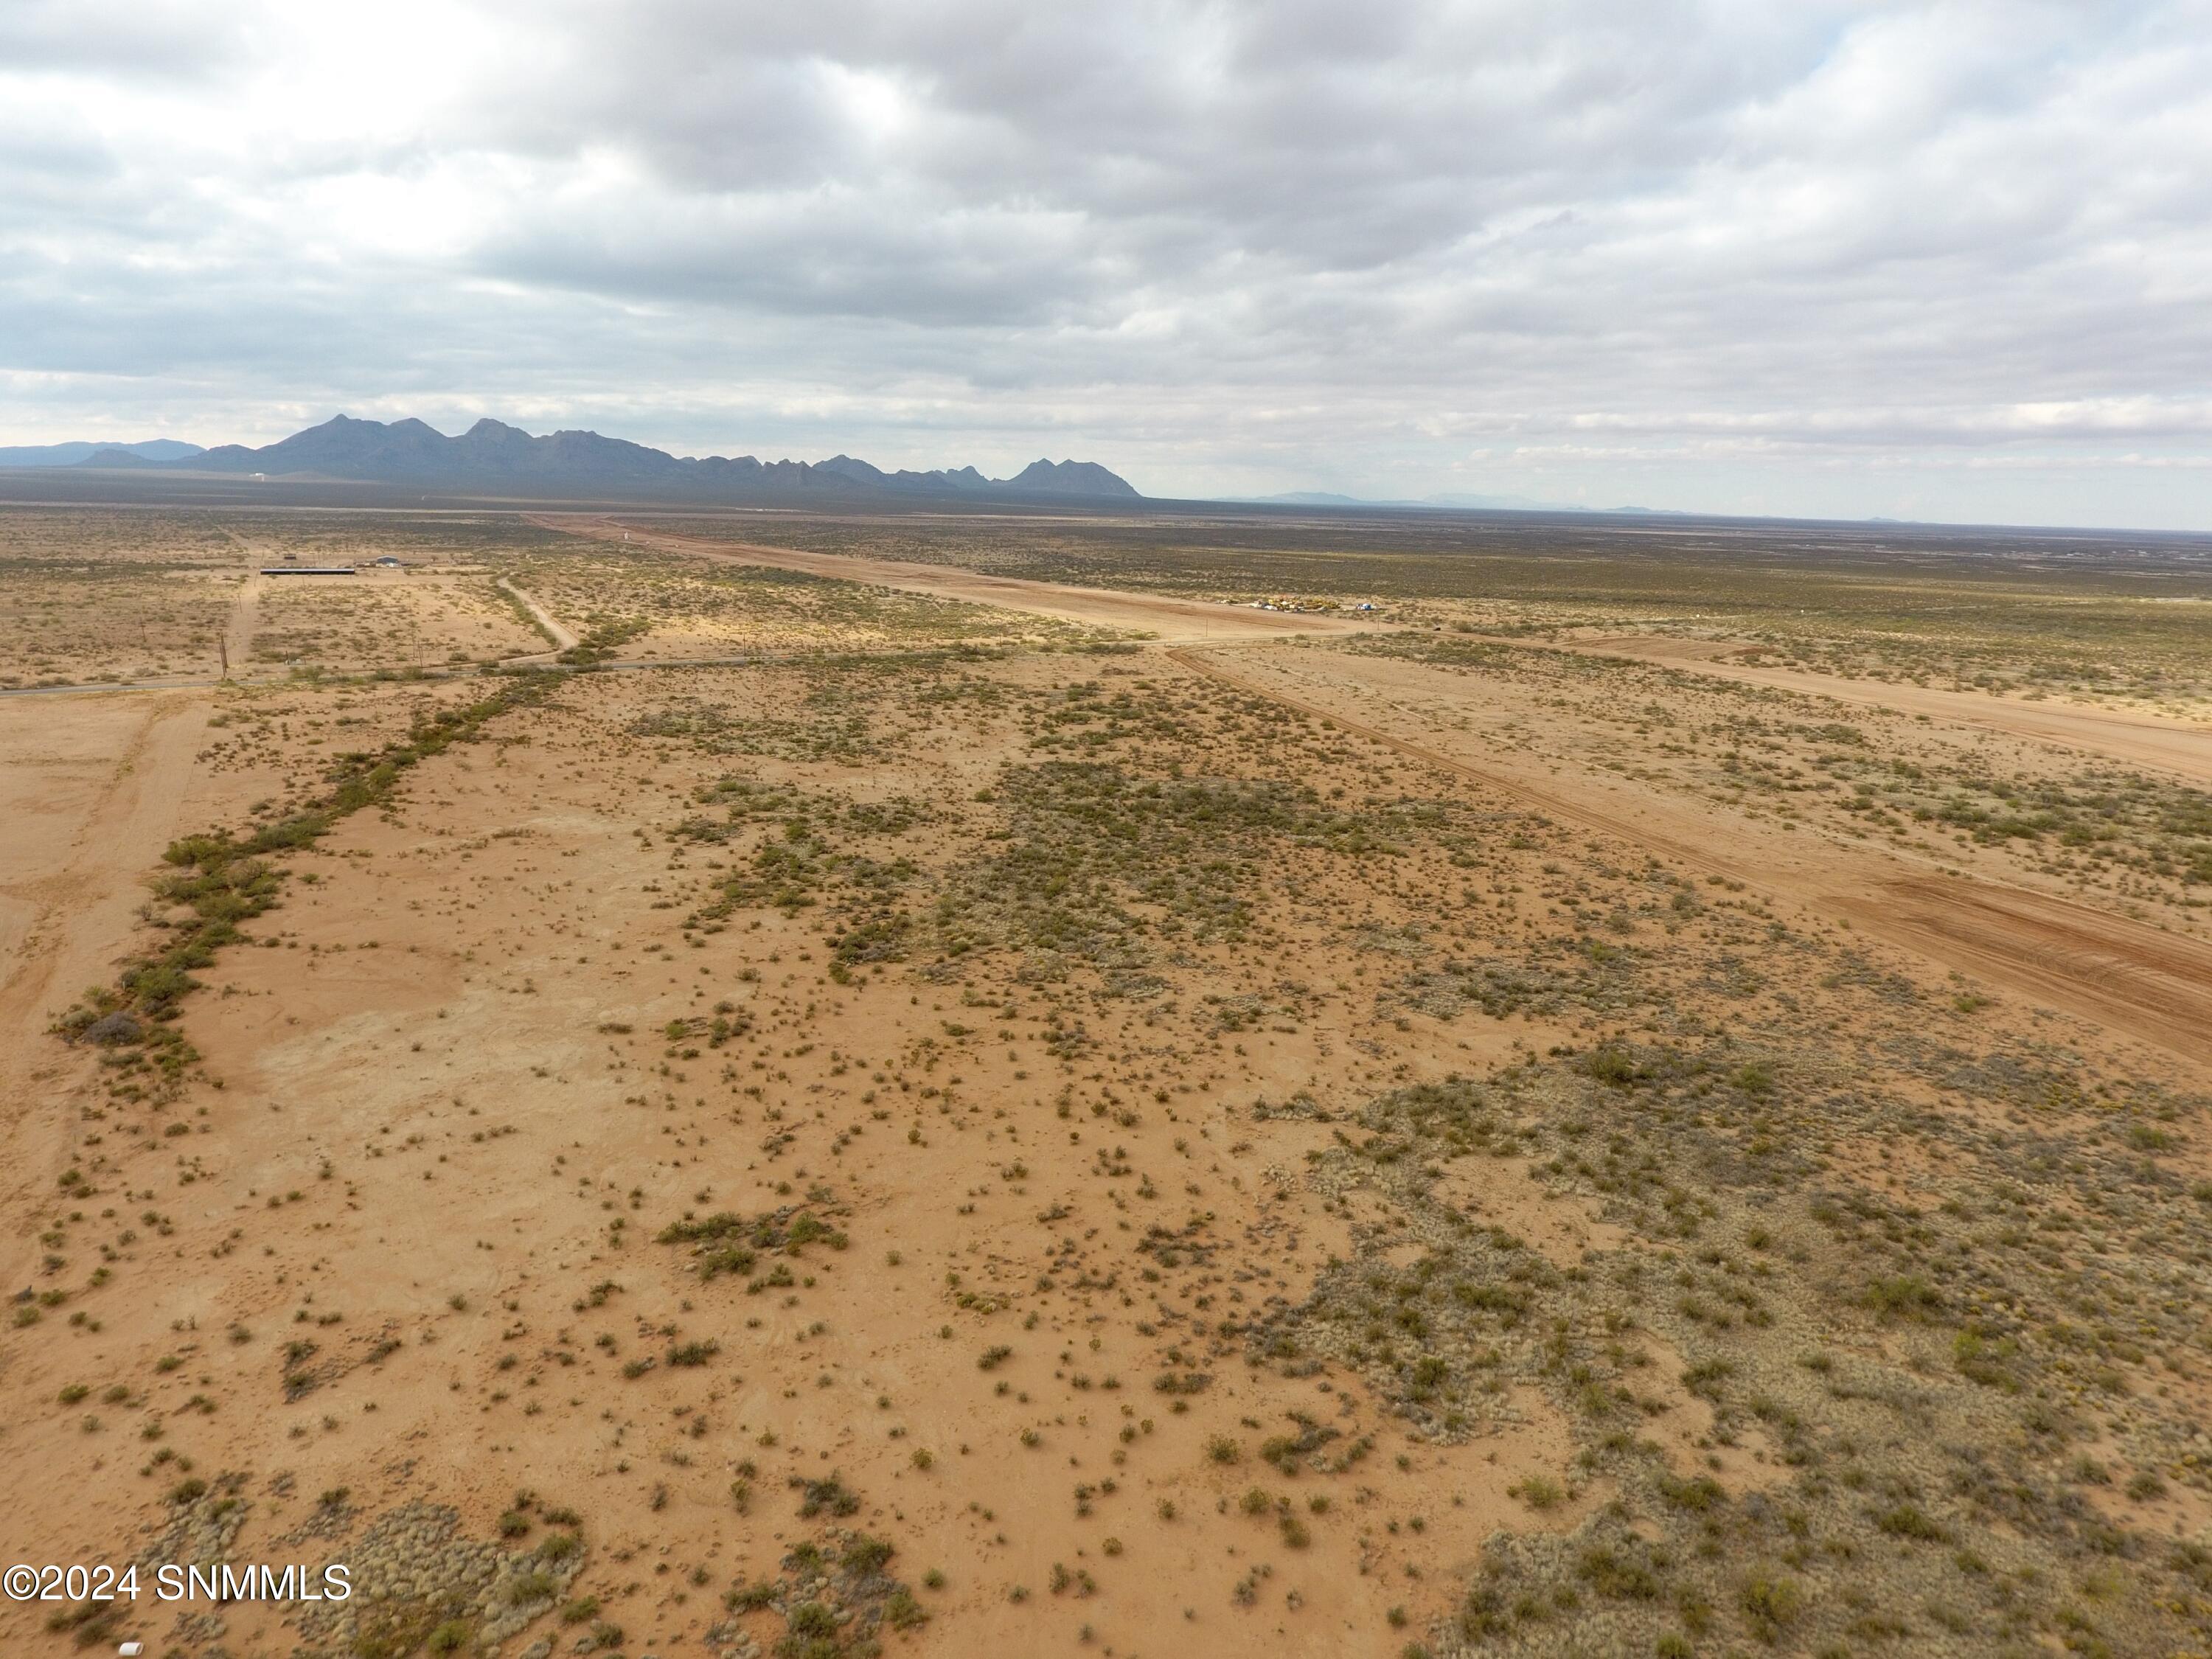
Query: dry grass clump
726,1243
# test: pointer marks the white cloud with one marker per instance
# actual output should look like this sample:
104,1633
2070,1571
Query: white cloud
1779,252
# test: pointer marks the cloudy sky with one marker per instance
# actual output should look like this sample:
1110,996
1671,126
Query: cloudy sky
1833,257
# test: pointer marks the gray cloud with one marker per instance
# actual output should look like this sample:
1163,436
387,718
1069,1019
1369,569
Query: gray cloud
1845,256
146,40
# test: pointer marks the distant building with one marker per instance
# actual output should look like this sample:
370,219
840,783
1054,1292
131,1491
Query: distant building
307,570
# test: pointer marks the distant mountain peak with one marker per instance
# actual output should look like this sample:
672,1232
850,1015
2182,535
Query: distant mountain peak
1070,478
493,455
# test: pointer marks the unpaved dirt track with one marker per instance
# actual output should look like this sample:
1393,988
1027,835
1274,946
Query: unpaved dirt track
1172,619
2138,978
563,639
71,910
2135,739
238,633
2154,985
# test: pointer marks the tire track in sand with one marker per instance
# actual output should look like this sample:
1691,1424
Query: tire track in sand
238,633
87,906
561,638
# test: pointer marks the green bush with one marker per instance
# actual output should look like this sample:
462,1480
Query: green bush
1903,1295
1771,1605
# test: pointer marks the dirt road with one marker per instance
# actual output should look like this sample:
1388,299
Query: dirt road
1173,620
238,633
561,638
2118,973
104,782
2105,968
2170,746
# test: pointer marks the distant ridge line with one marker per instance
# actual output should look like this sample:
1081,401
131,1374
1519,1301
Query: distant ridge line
492,453
82,452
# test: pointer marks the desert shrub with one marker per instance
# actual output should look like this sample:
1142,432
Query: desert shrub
1698,1493
812,1619
1911,1521
1901,1296
827,1496
1539,1492
1770,1605
1615,1572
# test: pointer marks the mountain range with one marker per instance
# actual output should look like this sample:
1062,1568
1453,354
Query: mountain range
494,458
75,454
493,455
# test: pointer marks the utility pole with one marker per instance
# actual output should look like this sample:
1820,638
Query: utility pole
223,645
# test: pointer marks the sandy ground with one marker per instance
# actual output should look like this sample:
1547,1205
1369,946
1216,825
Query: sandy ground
432,1081
2136,739
422,621
382,618
1169,619
92,789
2103,968
397,1242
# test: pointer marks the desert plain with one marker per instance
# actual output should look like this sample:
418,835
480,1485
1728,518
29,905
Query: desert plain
814,1085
